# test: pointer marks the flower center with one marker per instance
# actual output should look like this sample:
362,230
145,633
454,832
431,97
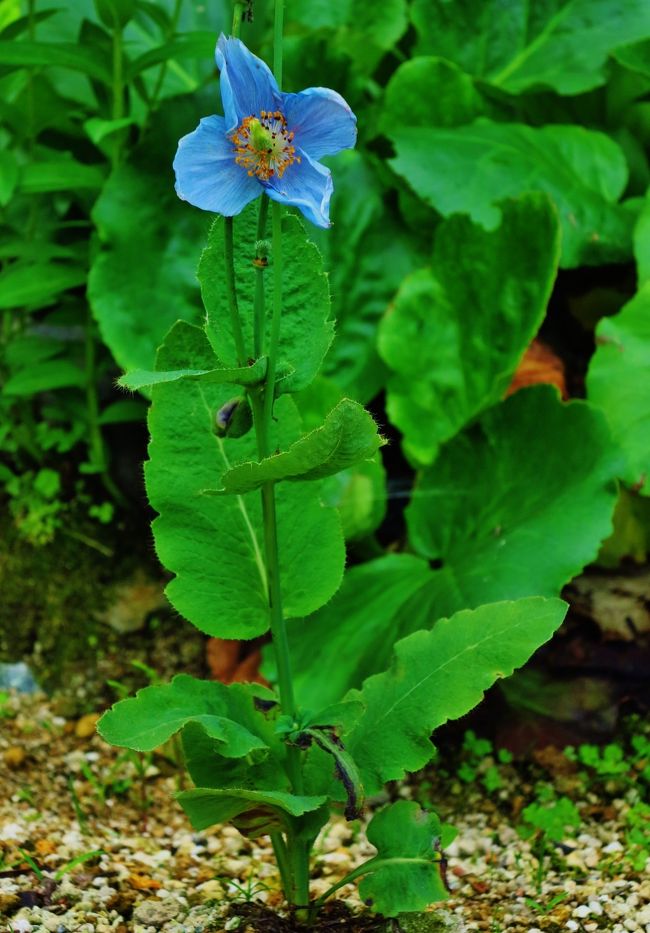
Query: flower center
263,145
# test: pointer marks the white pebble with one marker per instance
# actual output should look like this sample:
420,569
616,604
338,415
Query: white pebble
582,911
572,925
595,908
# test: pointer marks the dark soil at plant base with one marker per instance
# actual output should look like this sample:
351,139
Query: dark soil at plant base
141,868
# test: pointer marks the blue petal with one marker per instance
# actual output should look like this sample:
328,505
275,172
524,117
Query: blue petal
247,85
322,121
306,185
206,172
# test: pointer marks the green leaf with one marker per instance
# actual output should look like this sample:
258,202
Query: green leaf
440,675
9,174
206,806
404,876
45,376
139,215
642,243
59,175
306,331
98,129
469,169
455,102
123,411
211,543
373,29
561,45
348,435
226,713
36,285
618,380
361,624
26,54
245,375
636,57
530,471
359,494
456,332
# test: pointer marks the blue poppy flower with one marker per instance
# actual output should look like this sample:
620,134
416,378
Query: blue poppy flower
267,141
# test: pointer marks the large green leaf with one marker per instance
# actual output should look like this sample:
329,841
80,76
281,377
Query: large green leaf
352,636
439,675
369,254
468,169
215,545
404,876
517,504
642,243
558,44
227,714
258,813
456,332
619,382
143,278
306,330
347,436
456,100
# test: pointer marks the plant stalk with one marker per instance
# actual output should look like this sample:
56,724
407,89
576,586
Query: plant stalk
118,92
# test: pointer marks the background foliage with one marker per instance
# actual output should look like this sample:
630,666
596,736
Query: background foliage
498,191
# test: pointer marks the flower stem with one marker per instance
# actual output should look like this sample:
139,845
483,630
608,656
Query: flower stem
276,319
372,864
260,264
238,9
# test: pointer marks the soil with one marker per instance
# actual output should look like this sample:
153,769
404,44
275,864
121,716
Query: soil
92,840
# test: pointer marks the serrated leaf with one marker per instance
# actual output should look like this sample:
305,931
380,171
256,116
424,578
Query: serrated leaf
226,713
348,436
405,875
243,375
583,171
618,381
211,543
561,45
306,330
206,806
440,675
456,332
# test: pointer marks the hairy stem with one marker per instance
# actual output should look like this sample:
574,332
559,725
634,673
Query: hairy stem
260,266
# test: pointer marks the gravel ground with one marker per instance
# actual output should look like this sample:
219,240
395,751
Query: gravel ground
91,840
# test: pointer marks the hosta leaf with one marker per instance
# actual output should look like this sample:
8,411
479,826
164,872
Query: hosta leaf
213,543
244,375
619,382
352,636
405,875
348,435
306,330
530,471
518,46
468,169
257,813
439,675
226,713
456,332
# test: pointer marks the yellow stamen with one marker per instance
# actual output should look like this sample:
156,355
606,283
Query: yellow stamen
263,145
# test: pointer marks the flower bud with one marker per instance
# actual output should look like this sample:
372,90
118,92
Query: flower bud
234,419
